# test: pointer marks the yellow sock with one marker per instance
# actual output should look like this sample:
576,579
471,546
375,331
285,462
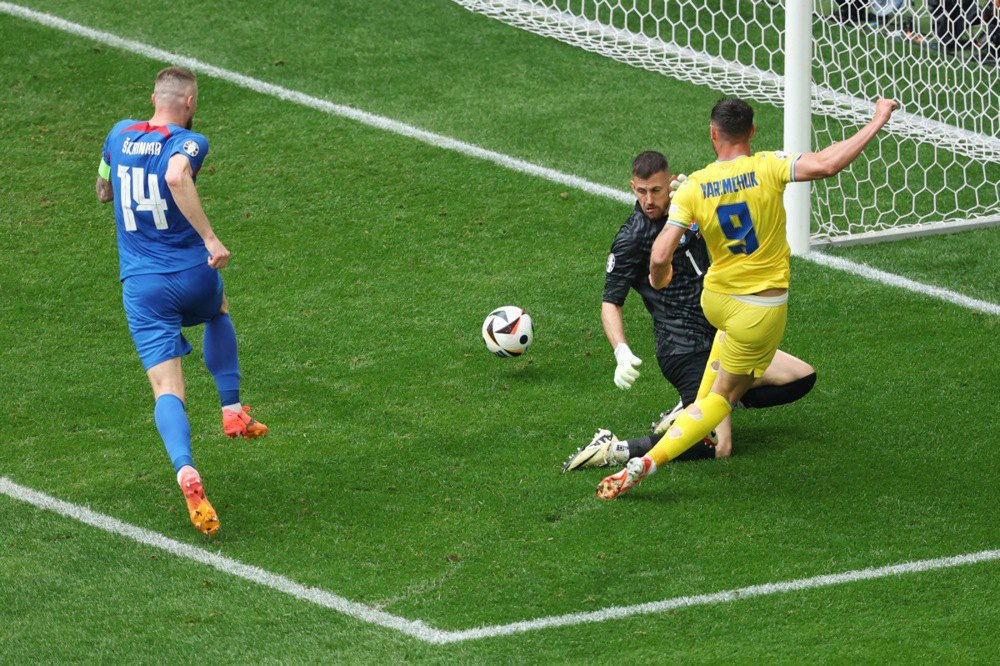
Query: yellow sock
708,379
690,430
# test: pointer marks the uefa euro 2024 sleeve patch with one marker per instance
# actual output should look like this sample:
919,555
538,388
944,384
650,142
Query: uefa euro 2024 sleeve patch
611,262
191,148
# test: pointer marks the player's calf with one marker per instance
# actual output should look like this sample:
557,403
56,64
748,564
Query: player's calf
760,397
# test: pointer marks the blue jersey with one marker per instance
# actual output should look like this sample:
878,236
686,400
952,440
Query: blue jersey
153,234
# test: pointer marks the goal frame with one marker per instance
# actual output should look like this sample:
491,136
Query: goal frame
798,138
798,119
814,105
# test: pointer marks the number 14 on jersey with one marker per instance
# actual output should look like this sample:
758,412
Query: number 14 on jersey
134,189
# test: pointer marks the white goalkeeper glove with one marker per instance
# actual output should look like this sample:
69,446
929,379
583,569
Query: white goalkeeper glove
627,371
676,183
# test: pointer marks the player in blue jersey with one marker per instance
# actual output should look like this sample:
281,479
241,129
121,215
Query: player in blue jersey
169,261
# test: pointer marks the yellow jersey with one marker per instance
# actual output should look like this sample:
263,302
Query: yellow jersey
738,206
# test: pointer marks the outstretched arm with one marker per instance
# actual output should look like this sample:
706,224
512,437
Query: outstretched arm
835,158
661,270
181,184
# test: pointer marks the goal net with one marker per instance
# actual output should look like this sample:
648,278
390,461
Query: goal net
937,168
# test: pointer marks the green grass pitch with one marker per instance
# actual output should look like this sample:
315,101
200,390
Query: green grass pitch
407,468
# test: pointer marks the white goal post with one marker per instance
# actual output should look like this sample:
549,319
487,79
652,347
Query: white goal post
936,168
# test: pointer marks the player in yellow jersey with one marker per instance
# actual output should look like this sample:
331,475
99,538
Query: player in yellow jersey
737,203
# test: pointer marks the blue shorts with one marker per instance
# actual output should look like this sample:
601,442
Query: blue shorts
157,305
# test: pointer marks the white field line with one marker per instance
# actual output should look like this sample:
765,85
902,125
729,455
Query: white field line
225,564
424,632
764,590
903,283
441,141
288,95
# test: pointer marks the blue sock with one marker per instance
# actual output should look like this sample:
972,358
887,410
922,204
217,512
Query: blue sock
221,359
172,422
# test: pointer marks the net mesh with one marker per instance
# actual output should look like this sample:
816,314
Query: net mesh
939,161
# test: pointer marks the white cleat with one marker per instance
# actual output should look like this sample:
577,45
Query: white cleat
667,419
604,449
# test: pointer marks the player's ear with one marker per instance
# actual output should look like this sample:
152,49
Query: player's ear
753,130
631,184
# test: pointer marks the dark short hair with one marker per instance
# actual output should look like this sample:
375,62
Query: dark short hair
647,163
733,117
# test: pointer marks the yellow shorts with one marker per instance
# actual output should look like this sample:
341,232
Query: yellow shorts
753,332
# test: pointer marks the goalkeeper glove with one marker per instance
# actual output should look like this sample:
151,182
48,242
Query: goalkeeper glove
676,183
627,371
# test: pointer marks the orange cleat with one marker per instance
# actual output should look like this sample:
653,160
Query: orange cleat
241,423
634,472
202,514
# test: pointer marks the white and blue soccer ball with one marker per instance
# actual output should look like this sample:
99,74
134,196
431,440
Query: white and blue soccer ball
507,331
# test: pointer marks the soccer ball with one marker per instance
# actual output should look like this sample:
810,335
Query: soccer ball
507,331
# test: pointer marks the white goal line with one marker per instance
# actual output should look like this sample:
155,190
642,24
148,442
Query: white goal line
421,630
447,143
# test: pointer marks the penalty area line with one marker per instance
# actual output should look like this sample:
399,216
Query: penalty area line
767,589
424,632
448,143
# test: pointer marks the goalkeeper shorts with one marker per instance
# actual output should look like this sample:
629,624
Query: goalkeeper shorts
753,325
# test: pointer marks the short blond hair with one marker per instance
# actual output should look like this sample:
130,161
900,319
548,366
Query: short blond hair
174,84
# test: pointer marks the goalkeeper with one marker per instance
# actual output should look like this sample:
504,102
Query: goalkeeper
683,335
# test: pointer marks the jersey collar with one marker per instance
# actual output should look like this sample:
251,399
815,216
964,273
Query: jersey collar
732,159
